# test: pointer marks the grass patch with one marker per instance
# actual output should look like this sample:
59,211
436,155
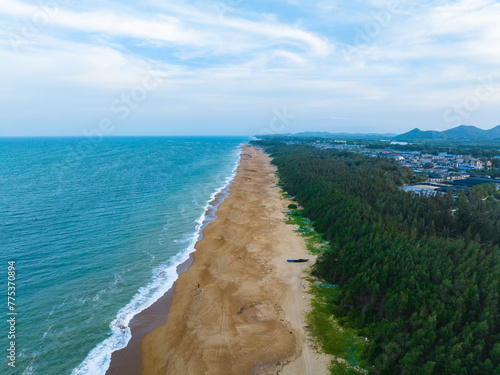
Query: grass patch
327,334
330,337
315,242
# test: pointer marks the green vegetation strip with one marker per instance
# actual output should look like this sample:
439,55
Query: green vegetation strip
327,334
332,338
315,242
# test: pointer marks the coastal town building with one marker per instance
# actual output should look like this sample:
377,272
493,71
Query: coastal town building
439,172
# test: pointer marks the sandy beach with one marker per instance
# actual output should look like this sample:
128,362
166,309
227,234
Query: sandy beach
239,309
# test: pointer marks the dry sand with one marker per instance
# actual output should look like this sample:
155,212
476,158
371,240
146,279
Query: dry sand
239,309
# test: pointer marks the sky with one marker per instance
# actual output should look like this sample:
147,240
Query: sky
246,67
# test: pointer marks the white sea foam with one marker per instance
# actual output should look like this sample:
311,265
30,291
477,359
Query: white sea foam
98,360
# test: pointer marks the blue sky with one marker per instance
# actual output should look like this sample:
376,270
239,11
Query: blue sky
247,67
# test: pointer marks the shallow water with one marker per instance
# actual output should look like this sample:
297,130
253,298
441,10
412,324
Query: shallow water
97,232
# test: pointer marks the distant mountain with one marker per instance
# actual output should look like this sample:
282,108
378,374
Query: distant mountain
462,132
343,135
466,132
417,134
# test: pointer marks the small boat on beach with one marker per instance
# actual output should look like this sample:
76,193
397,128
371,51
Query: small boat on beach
297,260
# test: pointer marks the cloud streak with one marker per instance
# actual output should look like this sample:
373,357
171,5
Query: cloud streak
405,75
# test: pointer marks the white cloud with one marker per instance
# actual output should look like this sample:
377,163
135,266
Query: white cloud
339,118
198,30
246,61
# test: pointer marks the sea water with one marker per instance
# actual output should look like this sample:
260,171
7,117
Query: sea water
96,229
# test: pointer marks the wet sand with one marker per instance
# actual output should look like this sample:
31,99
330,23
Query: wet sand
127,361
239,308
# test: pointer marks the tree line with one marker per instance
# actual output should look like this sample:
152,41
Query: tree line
419,275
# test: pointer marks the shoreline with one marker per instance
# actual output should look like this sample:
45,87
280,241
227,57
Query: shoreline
127,361
240,306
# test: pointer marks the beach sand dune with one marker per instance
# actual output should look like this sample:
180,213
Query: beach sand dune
239,308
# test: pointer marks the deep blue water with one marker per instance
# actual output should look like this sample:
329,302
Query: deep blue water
96,230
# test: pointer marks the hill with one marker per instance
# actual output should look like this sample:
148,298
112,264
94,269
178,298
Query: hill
343,135
459,133
417,134
462,132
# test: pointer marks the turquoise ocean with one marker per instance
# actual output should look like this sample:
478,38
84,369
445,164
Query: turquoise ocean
96,229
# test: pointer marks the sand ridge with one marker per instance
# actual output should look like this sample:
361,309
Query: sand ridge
239,308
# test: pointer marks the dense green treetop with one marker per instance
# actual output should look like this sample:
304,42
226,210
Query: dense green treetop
420,274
